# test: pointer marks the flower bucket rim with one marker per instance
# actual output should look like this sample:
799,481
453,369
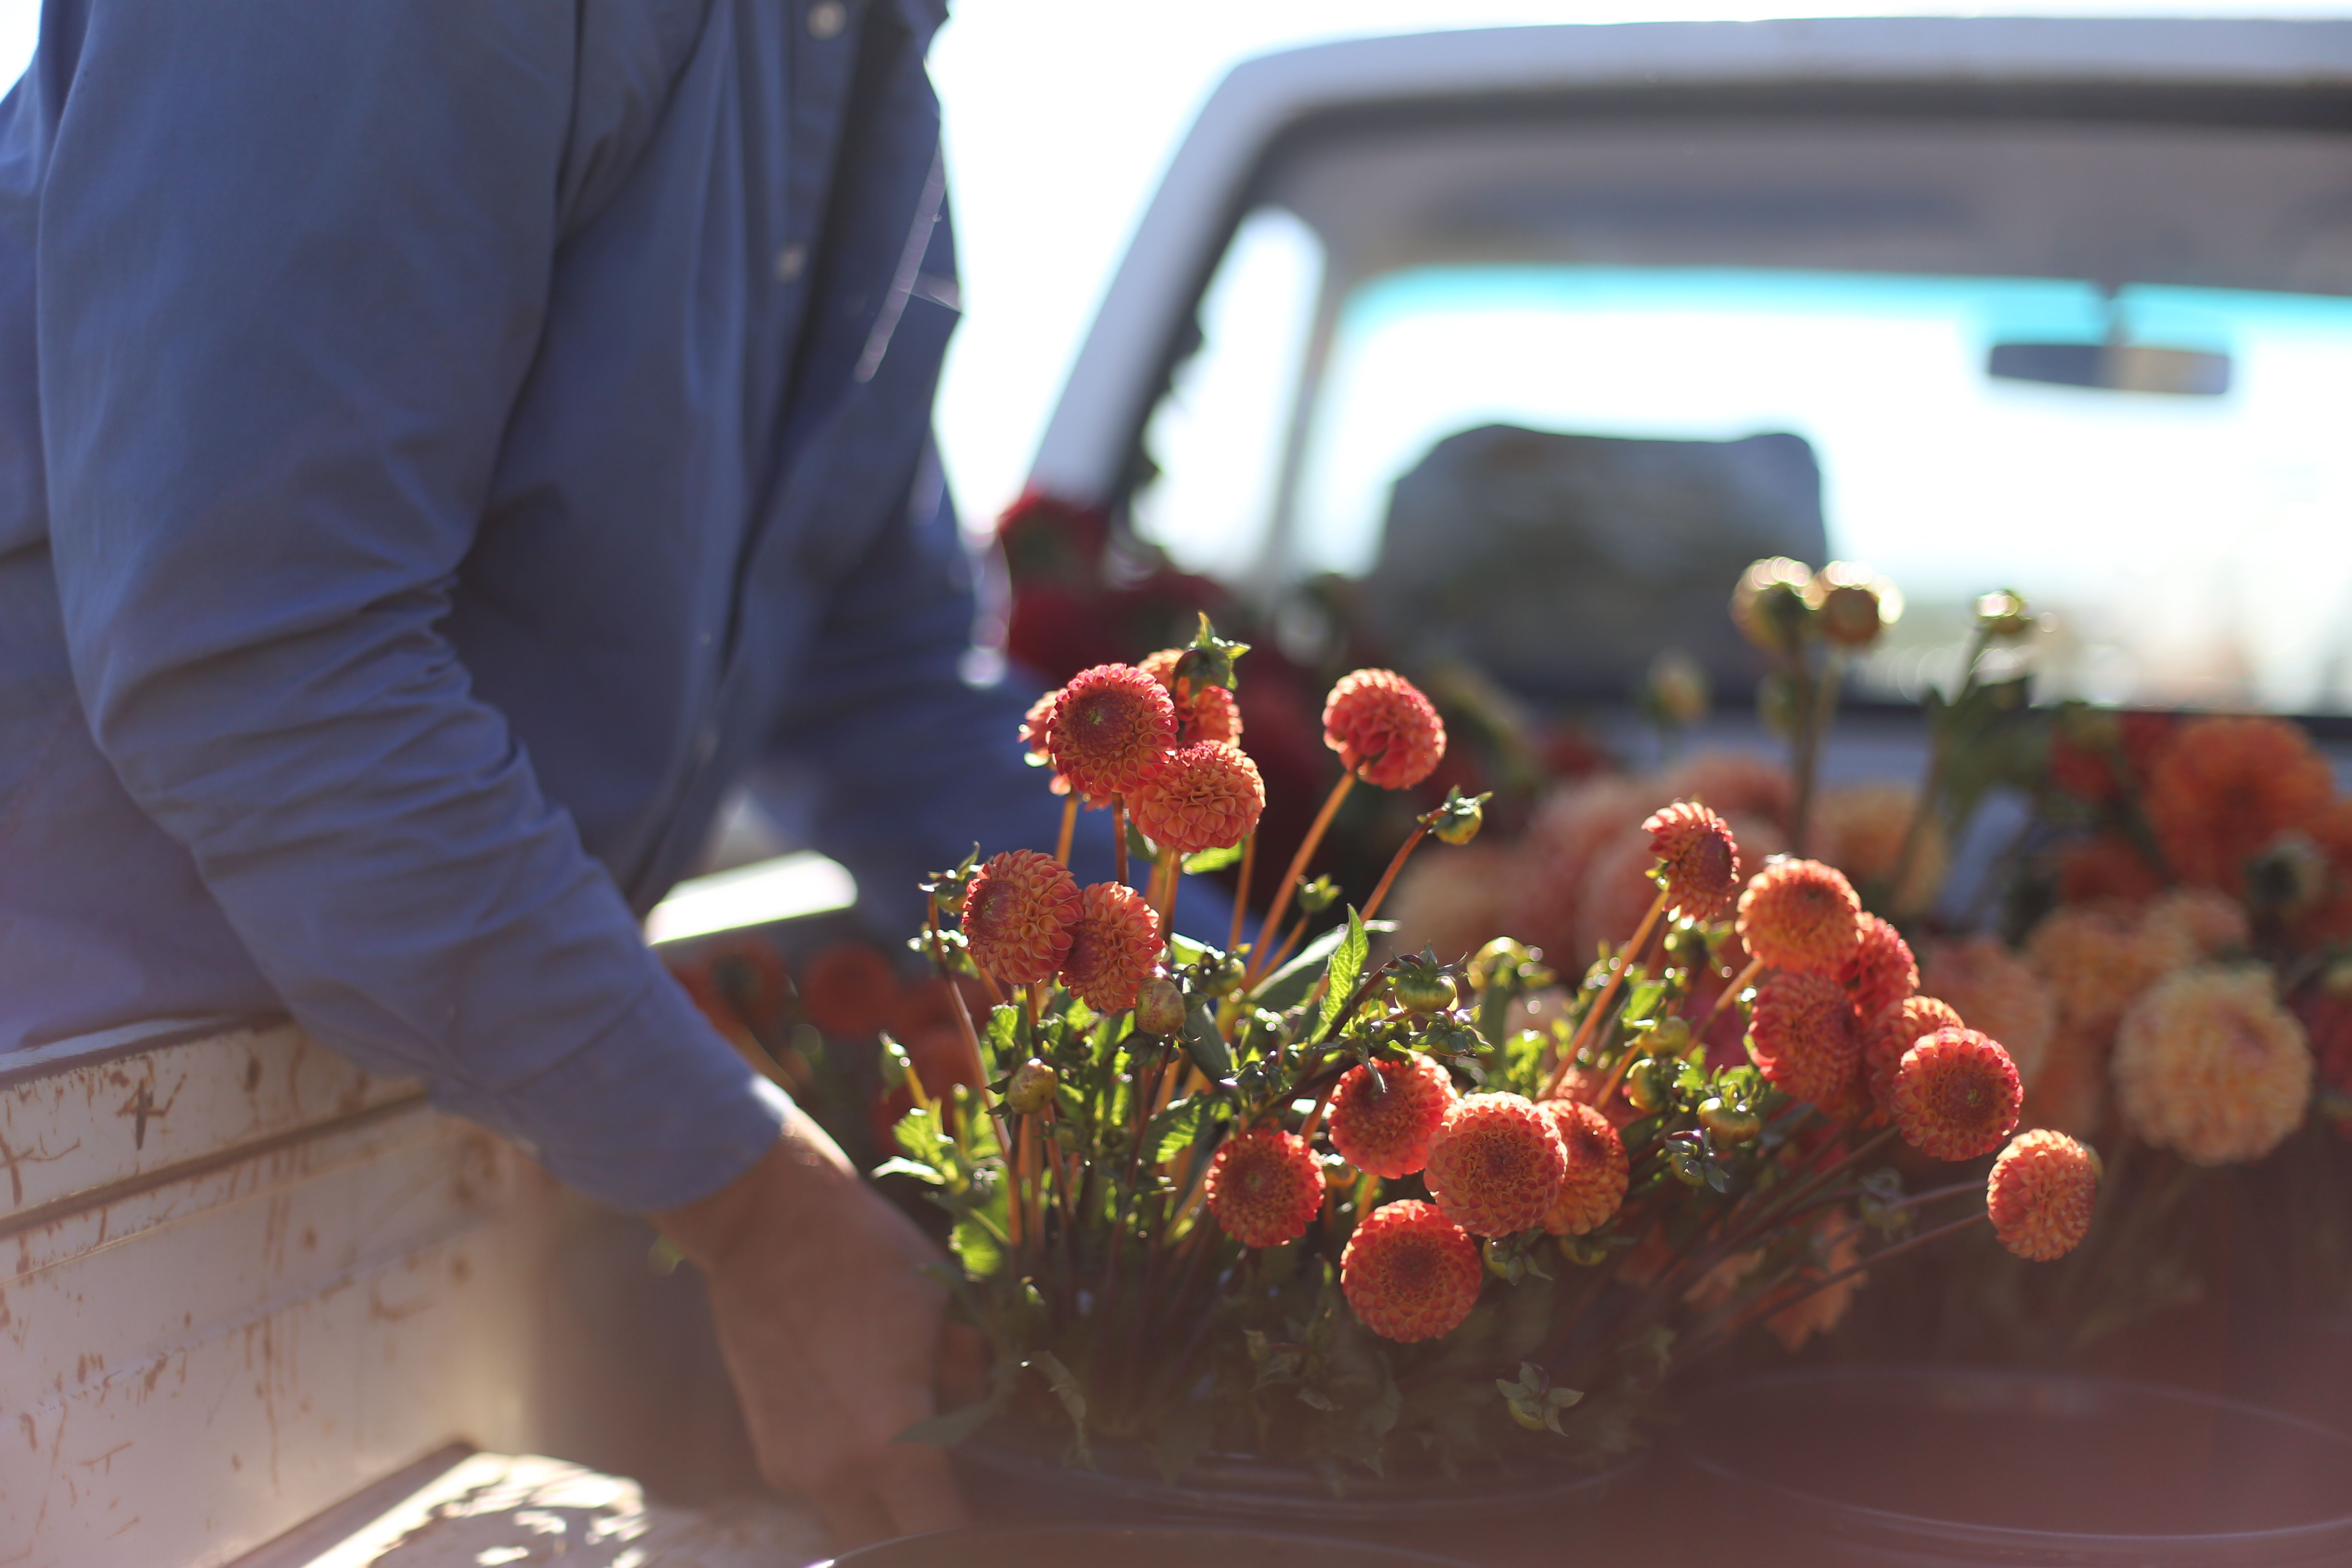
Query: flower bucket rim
1888,1524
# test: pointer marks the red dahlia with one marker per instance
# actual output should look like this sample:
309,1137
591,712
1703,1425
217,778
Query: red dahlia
1802,1035
1880,972
1496,1164
1203,796
2041,1192
1264,1187
1110,725
1018,913
1598,1170
1385,729
1698,859
1384,1120
1956,1095
1410,1273
1114,947
1800,915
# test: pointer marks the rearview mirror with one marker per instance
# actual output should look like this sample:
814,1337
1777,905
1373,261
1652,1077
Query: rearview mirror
2114,367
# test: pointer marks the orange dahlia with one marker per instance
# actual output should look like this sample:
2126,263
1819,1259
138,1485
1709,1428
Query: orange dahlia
1264,1187
1202,712
1699,860
2097,958
1110,725
1410,1273
1598,1170
1802,1035
1385,729
2225,788
2099,756
1114,947
1496,1164
1207,795
1036,736
1880,971
1384,1117
1956,1095
1018,914
1996,992
1800,915
2040,1195
1892,1033
2208,1065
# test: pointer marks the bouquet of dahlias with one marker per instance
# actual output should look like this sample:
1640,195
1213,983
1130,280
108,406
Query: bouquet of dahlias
1290,1201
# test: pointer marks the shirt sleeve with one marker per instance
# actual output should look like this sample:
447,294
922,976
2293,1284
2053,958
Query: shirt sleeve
293,264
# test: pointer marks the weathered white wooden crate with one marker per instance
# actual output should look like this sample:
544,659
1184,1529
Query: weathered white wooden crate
241,1280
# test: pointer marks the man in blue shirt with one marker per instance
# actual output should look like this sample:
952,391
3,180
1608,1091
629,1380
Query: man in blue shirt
444,445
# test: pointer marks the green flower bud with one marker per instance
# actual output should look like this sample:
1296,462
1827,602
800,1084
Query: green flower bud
1726,1124
1032,1087
1422,987
1671,1036
1649,1085
1158,1006
1768,605
2002,615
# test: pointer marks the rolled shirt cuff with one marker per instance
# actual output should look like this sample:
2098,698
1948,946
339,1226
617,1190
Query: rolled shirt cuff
654,1112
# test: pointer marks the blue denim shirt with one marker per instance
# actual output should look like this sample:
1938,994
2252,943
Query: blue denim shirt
443,444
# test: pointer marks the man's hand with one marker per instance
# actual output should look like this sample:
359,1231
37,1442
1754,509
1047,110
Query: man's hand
831,1332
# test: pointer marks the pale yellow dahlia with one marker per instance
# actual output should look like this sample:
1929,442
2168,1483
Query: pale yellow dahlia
2097,959
2208,1065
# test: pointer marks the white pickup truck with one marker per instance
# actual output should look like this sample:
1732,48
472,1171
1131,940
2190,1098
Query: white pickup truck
2071,296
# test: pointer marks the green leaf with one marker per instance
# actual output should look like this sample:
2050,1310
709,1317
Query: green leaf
898,1165
1168,1133
1003,1037
1204,1044
1047,1365
1347,968
1287,986
976,1249
1213,860
919,1138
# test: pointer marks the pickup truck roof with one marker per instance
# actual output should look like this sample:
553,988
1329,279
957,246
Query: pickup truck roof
1452,145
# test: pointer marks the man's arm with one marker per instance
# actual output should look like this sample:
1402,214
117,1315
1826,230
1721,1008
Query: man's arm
293,265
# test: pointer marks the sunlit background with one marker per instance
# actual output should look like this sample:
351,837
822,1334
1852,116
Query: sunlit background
1061,113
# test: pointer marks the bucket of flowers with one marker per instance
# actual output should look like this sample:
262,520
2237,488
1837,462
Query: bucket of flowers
1283,1228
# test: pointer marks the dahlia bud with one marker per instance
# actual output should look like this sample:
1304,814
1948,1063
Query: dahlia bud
1031,1089
1768,605
1677,690
1458,820
1584,1251
2288,877
1501,959
1158,1006
1728,1124
1671,1036
2002,615
1852,605
1420,986
1648,1086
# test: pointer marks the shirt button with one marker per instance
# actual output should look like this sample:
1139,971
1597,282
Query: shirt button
791,261
827,18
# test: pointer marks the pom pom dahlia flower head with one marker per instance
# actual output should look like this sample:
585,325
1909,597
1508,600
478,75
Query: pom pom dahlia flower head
1018,915
1114,947
1385,731
1800,915
1802,1035
1956,1095
2040,1194
1110,725
1699,860
2208,1065
1264,1186
1207,795
1598,1171
1496,1166
1384,1117
1410,1273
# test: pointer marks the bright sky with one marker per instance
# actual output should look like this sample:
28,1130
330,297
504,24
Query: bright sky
1061,113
